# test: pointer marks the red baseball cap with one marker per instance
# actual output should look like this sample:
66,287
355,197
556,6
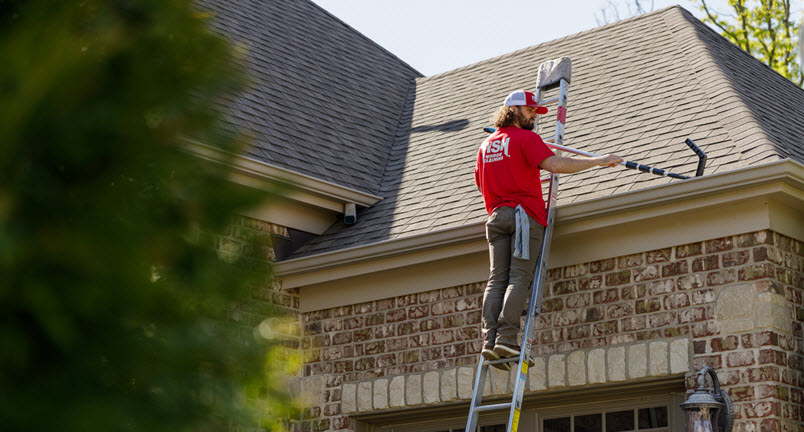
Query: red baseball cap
522,97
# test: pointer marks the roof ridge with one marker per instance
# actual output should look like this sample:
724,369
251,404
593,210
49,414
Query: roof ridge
728,104
554,41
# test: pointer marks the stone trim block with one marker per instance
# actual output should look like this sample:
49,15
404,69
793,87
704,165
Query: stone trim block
413,390
658,359
576,368
364,396
637,361
396,392
449,385
556,370
616,363
348,398
596,365
430,390
380,393
572,369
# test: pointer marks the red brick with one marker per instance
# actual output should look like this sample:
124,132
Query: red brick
703,296
703,329
602,265
453,321
736,258
759,271
591,283
661,319
473,317
467,303
629,261
578,332
755,340
397,344
760,410
705,263
605,328
718,245
455,350
728,343
690,281
660,255
688,250
363,335
620,310
433,353
721,277
430,324
396,315
375,319
739,394
429,297
633,292
675,269
755,238
764,374
574,271
565,287
633,323
699,347
650,272
675,301
552,304
342,338
407,300
592,314
713,361
443,337
580,300
375,347
648,306
772,356
618,278
406,328
416,312
443,307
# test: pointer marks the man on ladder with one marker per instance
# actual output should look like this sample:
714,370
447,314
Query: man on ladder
507,174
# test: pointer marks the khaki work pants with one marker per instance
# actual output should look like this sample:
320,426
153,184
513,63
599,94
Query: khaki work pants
509,278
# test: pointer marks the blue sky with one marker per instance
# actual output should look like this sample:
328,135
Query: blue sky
435,36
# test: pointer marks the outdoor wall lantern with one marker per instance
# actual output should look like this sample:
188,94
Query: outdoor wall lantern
708,411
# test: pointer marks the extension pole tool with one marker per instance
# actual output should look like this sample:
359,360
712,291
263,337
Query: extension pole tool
629,164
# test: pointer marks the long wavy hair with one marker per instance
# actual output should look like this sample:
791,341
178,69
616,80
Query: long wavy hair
505,116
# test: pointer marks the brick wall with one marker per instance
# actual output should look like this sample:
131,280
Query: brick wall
738,300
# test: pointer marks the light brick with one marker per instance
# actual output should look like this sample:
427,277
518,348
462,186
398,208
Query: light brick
556,370
658,358
449,385
576,368
637,361
680,356
537,375
616,363
348,398
430,388
465,382
499,381
380,394
596,365
364,396
413,389
396,392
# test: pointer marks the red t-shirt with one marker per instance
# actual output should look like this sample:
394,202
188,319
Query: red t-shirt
507,171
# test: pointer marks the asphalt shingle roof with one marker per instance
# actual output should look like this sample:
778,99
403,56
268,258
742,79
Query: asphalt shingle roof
324,100
639,88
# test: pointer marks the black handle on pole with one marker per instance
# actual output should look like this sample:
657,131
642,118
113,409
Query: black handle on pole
701,157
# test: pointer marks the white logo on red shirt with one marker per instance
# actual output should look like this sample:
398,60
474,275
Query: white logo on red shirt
495,150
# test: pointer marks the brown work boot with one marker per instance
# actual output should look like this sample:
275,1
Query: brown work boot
488,353
512,351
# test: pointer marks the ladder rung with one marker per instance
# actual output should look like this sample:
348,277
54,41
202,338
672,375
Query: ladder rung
498,361
551,139
493,407
547,101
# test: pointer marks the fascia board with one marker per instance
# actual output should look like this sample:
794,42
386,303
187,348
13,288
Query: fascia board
589,215
302,188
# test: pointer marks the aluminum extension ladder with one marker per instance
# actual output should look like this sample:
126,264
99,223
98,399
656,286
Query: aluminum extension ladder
536,289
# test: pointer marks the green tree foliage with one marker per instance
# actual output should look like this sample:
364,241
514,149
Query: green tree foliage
766,29
114,295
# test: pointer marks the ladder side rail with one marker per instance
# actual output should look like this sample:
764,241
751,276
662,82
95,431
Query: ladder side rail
477,395
537,284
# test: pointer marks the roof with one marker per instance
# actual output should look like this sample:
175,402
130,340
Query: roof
324,98
639,88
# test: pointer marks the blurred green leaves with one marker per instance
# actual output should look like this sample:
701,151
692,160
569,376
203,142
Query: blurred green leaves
113,295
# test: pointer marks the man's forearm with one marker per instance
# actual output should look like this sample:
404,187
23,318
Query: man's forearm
567,165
